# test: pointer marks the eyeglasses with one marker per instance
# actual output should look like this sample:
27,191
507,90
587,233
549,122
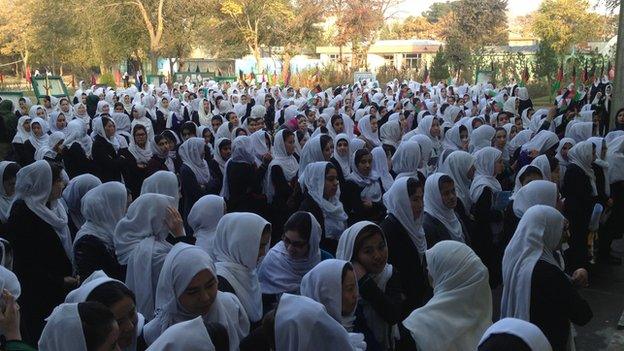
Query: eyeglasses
295,244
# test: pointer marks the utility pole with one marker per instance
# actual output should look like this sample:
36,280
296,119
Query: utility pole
617,100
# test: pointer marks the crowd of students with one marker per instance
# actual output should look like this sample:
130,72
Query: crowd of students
362,217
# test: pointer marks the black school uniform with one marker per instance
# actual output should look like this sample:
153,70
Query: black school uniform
485,240
40,264
107,160
354,207
133,174
77,162
245,188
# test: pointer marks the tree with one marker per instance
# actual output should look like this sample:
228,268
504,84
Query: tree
564,23
472,25
439,67
17,28
436,11
546,63
412,28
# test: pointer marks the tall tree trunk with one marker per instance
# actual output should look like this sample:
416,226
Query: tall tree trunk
285,65
617,94
153,56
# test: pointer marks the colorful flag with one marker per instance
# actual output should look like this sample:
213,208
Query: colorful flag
611,71
585,74
525,74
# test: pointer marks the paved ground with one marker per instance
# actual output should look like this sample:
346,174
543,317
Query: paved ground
606,298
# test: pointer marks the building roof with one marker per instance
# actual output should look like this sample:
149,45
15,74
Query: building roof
389,47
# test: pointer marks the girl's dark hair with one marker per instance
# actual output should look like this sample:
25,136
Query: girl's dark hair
334,118
325,139
190,126
286,134
217,117
529,171
97,322
366,233
138,127
22,99
324,130
56,171
346,268
414,184
445,179
359,154
329,166
301,223
300,135
238,130
110,293
443,107
158,138
106,121
228,116
115,105
10,171
225,143
218,335
170,136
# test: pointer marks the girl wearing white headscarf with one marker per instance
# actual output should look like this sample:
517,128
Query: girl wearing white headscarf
115,295
94,248
303,324
341,156
535,287
80,112
72,197
459,165
195,178
322,199
317,149
430,127
453,140
391,133
77,156
440,222
601,169
461,307
282,171
369,131
41,241
221,152
406,160
141,245
161,160
514,335
481,137
105,150
404,202
298,251
58,122
52,150
381,290
164,183
21,135
543,164
242,239
73,326
543,143
38,138
363,190
488,220
139,117
562,155
189,335
183,265
203,220
8,172
380,165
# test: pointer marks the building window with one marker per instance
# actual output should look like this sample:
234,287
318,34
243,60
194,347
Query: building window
412,60
334,57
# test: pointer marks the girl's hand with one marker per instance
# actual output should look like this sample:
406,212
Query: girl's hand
174,222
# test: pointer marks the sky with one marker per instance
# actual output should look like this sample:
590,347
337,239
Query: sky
515,7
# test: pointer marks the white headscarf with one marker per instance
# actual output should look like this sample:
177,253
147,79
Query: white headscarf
205,119
73,193
436,208
140,244
5,200
52,122
520,139
364,125
457,165
380,166
38,141
537,192
142,155
288,164
47,150
529,333
424,128
77,133
481,137
143,120
537,236
9,281
102,207
236,254
216,154
485,164
543,164
98,128
397,201
203,219
452,138
323,284
581,155
164,183
615,158
63,330
302,324
312,152
21,135
191,152
391,133
34,186
343,161
345,251
563,163
580,131
461,307
599,143
335,218
181,265
189,335
406,159
279,272
541,142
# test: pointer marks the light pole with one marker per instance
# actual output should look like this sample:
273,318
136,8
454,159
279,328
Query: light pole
617,100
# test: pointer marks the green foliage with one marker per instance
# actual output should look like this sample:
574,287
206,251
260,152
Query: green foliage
107,79
436,11
546,61
439,67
